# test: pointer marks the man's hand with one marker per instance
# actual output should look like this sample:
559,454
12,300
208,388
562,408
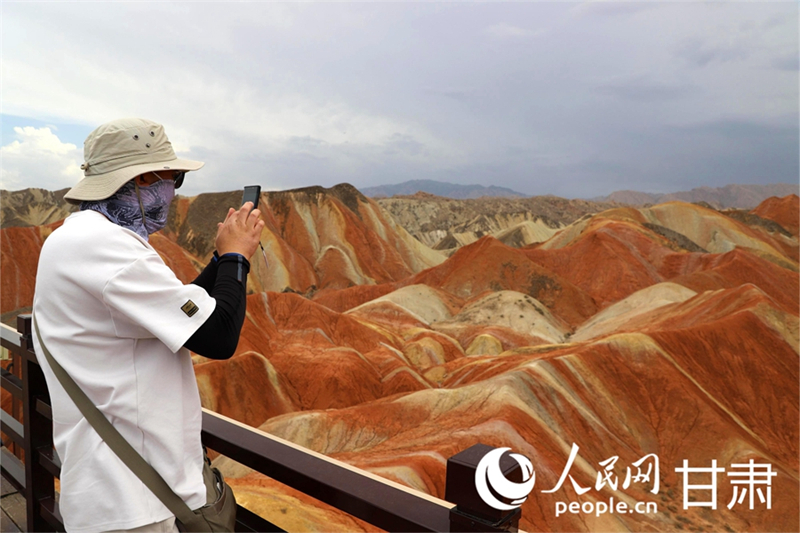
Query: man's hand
240,232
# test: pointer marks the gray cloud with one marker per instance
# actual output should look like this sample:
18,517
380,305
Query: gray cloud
790,62
701,53
452,93
504,30
601,8
642,89
537,97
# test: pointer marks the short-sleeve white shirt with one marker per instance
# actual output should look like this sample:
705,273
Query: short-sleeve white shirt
116,317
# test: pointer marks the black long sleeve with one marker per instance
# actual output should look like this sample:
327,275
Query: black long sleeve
208,276
218,336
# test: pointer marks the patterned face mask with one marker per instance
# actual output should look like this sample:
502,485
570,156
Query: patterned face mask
125,208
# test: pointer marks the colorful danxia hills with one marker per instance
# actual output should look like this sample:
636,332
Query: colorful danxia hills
668,329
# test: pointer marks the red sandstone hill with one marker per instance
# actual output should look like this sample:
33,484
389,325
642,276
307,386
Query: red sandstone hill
785,211
610,259
19,256
478,269
714,377
488,266
315,238
628,254
705,384
19,260
670,330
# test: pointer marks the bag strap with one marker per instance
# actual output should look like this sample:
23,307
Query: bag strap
146,473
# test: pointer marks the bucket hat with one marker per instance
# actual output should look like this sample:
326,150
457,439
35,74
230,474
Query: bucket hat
120,150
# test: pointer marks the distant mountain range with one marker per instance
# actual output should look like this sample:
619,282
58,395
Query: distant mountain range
439,188
735,195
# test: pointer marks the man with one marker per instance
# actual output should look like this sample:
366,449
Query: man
121,324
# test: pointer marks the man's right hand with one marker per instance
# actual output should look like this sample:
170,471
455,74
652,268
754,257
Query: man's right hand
240,232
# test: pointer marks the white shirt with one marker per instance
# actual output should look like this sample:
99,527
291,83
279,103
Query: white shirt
110,312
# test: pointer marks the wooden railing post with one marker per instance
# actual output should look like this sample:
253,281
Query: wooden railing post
39,485
16,401
471,513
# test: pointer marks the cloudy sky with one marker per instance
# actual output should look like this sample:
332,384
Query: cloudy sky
572,99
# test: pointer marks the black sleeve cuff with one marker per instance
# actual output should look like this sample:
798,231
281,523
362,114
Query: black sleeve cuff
235,265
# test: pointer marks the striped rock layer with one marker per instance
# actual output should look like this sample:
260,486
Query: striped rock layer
669,330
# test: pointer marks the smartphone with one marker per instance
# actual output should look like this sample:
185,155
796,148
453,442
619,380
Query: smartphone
251,194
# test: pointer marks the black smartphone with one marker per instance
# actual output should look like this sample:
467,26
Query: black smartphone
251,194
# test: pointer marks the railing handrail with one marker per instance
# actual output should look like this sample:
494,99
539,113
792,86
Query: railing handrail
335,462
9,335
367,496
371,498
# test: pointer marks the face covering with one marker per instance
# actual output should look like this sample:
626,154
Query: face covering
127,206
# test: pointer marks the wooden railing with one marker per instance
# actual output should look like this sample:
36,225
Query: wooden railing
31,464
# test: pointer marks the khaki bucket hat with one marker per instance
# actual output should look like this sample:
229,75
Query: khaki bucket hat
118,151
